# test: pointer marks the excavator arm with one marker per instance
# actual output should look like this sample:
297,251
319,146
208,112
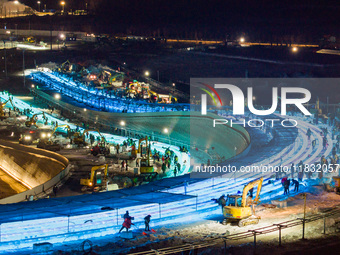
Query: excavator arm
97,130
139,143
61,126
250,185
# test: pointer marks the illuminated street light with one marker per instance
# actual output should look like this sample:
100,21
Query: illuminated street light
165,130
147,73
57,96
39,5
173,84
62,36
16,2
85,109
294,49
32,86
63,5
122,123
242,40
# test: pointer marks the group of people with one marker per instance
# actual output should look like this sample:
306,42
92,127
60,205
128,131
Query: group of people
128,222
286,184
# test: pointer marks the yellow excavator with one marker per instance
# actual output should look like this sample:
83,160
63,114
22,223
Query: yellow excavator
79,138
64,67
242,209
2,105
98,178
143,152
33,120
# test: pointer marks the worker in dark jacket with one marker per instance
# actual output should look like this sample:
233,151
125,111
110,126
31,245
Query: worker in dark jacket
296,185
222,202
147,222
286,187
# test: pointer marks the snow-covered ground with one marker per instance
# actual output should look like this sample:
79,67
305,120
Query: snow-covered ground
212,188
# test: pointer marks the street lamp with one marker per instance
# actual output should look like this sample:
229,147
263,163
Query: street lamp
242,40
147,73
294,49
63,5
39,5
122,123
57,96
165,130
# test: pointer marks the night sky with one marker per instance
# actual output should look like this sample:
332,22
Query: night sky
311,18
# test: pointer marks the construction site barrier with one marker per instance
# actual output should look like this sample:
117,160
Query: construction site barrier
223,239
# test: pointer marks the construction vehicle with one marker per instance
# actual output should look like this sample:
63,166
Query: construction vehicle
46,143
144,154
65,67
98,179
336,180
79,138
61,126
2,105
29,39
32,136
241,209
33,120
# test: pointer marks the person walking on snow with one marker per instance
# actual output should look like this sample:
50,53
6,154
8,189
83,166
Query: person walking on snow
286,187
296,185
147,222
127,224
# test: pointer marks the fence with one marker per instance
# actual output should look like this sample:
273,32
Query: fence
223,239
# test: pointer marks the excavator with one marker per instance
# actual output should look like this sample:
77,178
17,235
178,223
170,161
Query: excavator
46,143
144,156
98,179
33,120
79,138
241,209
64,67
2,105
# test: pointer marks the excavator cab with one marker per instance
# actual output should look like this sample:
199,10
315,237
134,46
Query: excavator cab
234,200
242,208
98,178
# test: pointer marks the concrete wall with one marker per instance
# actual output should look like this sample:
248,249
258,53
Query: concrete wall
39,190
35,168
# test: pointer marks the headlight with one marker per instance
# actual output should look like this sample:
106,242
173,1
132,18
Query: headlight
48,135
43,135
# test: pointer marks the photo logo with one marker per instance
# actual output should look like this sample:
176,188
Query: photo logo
238,99
204,96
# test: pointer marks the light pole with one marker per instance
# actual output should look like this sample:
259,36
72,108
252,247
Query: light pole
63,5
5,58
23,66
39,5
